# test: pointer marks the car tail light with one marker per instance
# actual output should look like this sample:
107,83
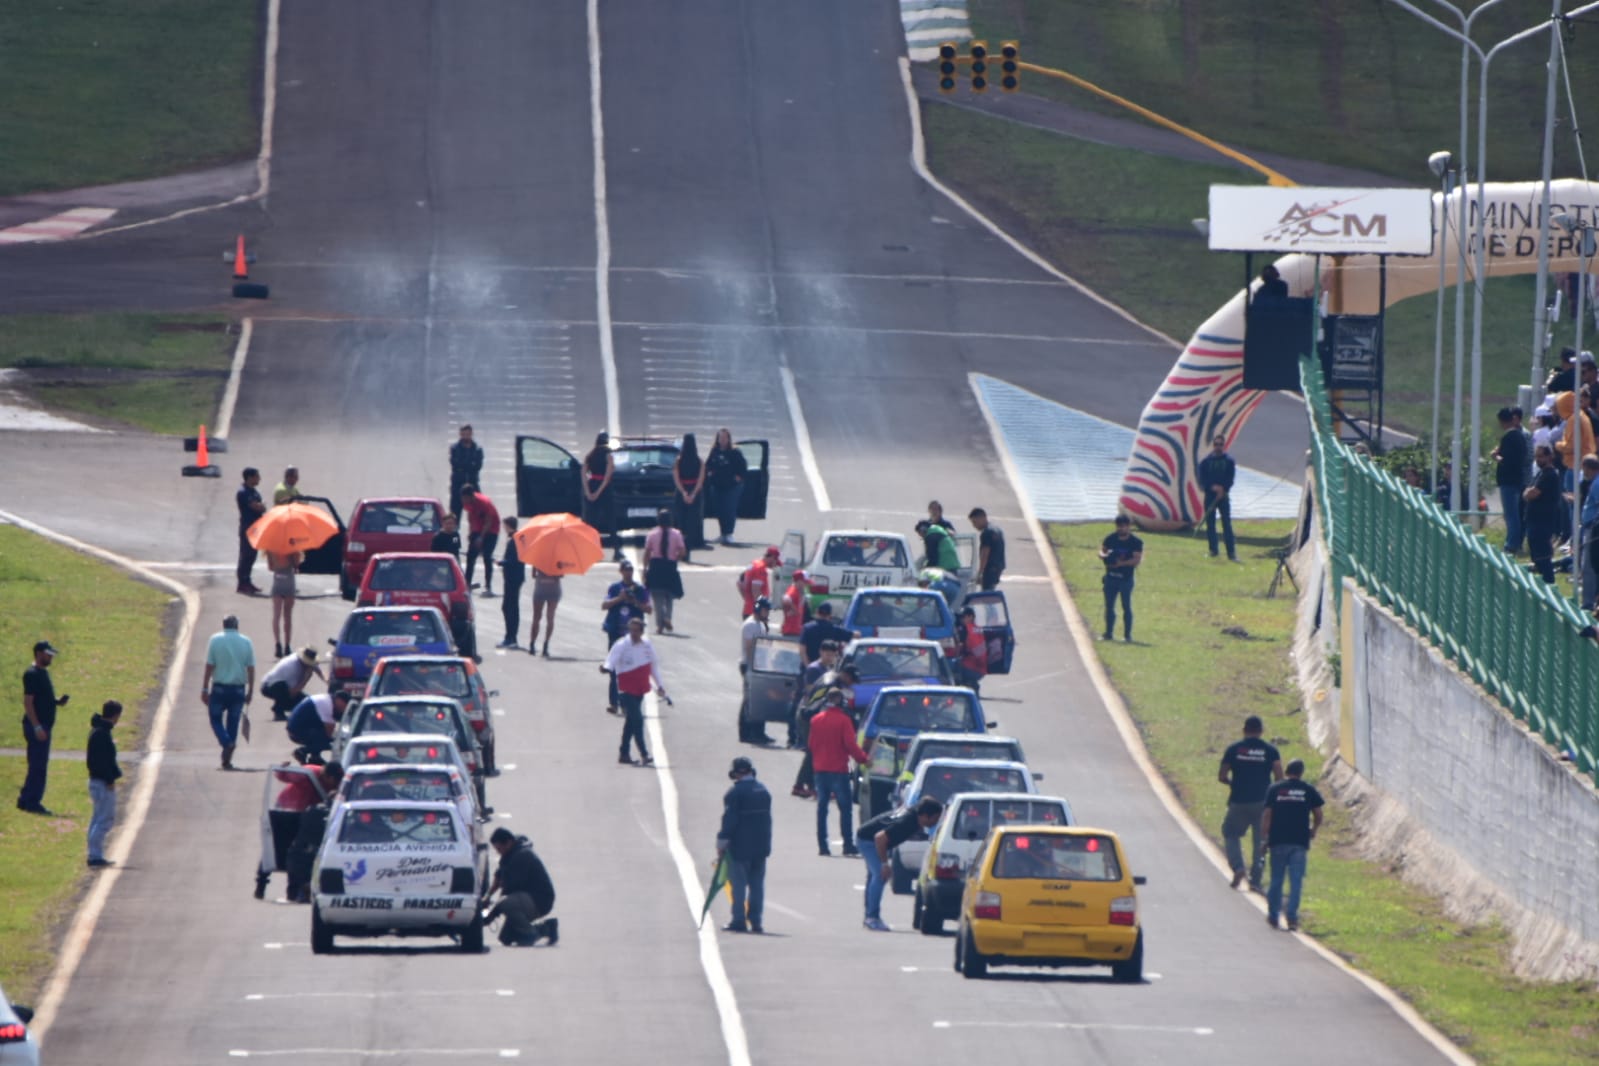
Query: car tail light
480,724
948,868
1124,910
433,753
461,880
343,667
355,546
378,715
331,882
822,584
987,906
14,1033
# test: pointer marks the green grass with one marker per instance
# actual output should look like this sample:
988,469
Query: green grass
109,629
1189,686
163,373
1119,220
100,91
1359,83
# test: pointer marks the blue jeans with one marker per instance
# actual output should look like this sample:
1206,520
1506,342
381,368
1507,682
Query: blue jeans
724,505
874,881
227,704
748,878
1222,509
834,785
32,792
1289,859
1117,585
104,798
1510,504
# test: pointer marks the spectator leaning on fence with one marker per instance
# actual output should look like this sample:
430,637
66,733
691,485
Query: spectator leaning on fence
1543,502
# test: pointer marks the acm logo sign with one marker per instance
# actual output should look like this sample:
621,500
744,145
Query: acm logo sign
1250,218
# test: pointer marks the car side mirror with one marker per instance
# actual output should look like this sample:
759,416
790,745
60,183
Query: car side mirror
991,725
493,692
24,1014
1038,777
333,641
1140,880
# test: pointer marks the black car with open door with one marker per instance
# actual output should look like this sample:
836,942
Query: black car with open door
549,480
326,558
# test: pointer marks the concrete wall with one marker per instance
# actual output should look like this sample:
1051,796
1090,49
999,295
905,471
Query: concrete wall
1452,791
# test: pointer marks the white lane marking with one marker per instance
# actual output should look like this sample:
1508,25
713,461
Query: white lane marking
81,929
802,436
230,395
380,1053
919,165
260,997
602,230
263,155
733,1035
1134,743
1112,1027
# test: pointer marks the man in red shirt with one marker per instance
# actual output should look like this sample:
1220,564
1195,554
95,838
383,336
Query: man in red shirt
794,605
973,664
485,519
832,745
756,581
632,660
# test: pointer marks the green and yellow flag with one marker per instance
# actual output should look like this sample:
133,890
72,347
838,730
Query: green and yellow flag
718,879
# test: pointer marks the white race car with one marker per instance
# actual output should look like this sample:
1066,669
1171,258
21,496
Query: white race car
404,749
845,560
439,783
396,868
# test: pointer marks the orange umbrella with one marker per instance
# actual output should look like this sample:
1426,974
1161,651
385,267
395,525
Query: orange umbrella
559,544
292,527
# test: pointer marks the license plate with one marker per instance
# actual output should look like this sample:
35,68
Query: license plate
641,512
855,579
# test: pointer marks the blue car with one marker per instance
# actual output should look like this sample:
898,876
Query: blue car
993,618
911,613
373,633
884,662
895,716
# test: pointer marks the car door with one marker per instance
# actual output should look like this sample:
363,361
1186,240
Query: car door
548,478
966,551
993,619
757,456
326,558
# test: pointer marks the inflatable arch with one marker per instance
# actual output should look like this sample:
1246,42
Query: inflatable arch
1203,393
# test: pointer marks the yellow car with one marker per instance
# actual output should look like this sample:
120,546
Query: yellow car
1050,896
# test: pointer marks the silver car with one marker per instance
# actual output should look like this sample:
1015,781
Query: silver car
17,1045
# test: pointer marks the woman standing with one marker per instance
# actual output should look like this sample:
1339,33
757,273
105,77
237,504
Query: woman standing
724,473
663,548
599,466
546,598
283,591
688,475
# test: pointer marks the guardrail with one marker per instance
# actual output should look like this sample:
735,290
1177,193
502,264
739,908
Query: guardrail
1513,634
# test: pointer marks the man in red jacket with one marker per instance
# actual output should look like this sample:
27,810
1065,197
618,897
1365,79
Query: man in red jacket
832,745
485,519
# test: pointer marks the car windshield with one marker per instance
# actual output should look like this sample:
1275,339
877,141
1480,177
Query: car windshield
378,629
397,827
639,458
779,657
379,752
425,786
865,551
976,817
950,712
420,518
409,718
944,781
1057,857
438,679
999,750
895,662
899,609
427,575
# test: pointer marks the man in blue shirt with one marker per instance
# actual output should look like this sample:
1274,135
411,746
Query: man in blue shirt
745,839
228,684
624,600
1248,767
1216,473
1293,814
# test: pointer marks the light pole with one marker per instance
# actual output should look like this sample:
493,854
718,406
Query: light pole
1442,165
1583,231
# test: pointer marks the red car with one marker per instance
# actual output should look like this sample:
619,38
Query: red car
386,524
422,579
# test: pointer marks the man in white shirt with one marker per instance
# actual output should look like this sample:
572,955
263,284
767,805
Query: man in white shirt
285,683
756,625
632,661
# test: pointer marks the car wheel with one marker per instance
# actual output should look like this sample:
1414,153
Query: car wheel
1131,971
932,920
472,936
972,962
916,909
346,589
904,881
321,934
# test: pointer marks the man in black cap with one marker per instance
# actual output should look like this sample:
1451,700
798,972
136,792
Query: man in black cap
820,628
526,893
39,705
746,840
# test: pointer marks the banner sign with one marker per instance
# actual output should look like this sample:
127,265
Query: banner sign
1261,218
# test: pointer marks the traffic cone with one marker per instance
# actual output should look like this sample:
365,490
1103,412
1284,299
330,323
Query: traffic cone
202,466
241,266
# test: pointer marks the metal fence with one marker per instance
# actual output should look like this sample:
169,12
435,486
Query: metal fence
1502,625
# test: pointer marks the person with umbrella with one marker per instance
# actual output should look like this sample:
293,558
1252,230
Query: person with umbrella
554,545
285,533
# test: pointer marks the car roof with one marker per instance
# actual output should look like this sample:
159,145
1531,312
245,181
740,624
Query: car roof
400,805
437,660
396,609
407,738
399,768
897,642
1061,830
415,555
964,738
863,533
363,501
897,590
964,797
928,765
950,690
618,443
409,698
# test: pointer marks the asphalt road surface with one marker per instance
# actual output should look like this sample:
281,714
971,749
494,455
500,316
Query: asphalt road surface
432,244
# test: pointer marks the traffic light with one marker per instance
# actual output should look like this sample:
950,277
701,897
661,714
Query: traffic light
1009,69
947,66
979,55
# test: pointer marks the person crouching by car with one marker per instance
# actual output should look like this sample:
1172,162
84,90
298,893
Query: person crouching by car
302,788
526,893
314,720
285,683
308,837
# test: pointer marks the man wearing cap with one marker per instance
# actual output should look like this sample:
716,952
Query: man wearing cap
466,464
841,682
756,580
832,745
485,520
248,501
745,839
757,625
285,683
822,628
632,663
39,703
624,600
972,666
315,719
794,604
228,683
1248,767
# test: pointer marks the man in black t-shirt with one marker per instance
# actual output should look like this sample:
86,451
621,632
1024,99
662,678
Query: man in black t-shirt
1121,552
39,703
990,550
1543,513
1292,816
248,499
878,838
1514,458
1247,768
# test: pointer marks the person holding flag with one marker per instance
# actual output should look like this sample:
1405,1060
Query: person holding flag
743,845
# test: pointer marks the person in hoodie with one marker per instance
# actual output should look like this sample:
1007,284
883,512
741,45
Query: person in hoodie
526,893
103,774
746,839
